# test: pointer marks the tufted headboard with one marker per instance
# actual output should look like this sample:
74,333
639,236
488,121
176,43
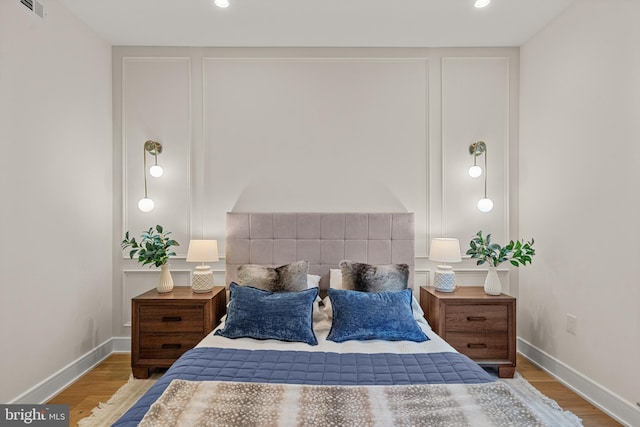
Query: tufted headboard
323,239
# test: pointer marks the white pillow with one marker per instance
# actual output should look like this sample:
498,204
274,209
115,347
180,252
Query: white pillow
313,281
335,278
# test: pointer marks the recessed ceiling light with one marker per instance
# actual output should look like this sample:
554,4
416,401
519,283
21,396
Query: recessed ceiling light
222,3
481,3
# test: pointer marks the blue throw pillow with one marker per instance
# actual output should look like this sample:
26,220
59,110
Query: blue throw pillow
367,316
284,316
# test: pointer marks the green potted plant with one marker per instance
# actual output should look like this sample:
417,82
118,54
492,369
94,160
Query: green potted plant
516,252
153,249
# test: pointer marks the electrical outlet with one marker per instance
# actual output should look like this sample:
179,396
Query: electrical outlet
572,324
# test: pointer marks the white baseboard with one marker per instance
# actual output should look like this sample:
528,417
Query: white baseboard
49,387
607,401
121,344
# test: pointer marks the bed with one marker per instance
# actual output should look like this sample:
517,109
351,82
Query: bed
349,346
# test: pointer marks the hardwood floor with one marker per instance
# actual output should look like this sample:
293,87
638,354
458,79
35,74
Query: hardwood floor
567,399
104,380
98,385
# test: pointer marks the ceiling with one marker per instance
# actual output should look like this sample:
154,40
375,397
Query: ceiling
330,23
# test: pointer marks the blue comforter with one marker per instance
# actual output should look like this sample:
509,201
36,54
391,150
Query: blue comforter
317,368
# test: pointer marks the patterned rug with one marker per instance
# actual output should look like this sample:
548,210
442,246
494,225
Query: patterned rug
106,413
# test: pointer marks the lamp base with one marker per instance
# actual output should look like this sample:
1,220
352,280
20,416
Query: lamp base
202,281
444,279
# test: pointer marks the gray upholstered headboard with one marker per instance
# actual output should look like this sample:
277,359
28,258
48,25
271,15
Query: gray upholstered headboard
323,239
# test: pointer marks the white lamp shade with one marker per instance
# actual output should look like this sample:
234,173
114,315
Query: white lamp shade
202,251
146,204
445,249
485,205
475,171
156,171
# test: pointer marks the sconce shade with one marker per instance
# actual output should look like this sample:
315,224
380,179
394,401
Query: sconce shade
475,171
202,251
444,249
146,204
485,205
156,171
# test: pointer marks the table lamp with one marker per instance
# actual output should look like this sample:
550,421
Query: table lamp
202,251
445,250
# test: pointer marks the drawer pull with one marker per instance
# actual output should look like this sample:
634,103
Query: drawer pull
172,319
171,345
476,345
476,318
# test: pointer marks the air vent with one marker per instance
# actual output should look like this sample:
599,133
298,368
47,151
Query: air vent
28,3
35,6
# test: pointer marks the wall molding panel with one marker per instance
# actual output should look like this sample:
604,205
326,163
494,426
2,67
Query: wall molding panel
475,107
336,109
310,130
156,105
422,278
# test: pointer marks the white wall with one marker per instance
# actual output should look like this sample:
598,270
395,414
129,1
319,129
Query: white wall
312,130
56,185
579,197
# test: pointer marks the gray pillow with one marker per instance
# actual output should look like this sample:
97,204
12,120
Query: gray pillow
286,278
358,276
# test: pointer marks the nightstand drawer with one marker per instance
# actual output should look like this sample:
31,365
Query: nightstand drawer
476,318
480,347
156,318
166,346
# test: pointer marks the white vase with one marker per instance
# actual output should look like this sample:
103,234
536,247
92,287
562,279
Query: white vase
166,281
492,285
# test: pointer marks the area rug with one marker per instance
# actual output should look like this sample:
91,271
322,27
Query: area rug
106,413
540,403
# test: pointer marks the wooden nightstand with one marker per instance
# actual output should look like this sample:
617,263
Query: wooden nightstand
166,325
478,325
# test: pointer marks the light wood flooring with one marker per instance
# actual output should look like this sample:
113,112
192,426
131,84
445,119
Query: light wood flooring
105,379
96,386
567,399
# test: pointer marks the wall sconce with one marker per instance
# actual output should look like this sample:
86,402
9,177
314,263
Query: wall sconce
444,249
477,148
202,251
154,148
